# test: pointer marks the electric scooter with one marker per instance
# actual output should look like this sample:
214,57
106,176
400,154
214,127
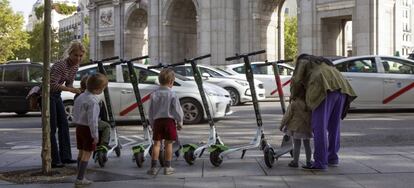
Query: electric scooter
217,153
141,150
192,151
270,154
102,152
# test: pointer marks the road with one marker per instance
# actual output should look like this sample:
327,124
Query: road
358,129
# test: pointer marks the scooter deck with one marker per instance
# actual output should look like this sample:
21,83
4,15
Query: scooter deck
285,147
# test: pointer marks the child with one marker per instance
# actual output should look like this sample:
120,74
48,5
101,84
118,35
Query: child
163,114
104,128
296,123
85,117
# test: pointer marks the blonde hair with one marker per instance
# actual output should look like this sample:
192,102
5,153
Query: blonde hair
166,76
96,82
74,45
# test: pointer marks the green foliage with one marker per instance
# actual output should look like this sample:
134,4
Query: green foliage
36,44
291,39
12,36
64,9
85,42
86,20
60,8
39,11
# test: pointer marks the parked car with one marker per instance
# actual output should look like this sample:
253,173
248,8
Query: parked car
380,82
265,75
123,98
16,80
238,88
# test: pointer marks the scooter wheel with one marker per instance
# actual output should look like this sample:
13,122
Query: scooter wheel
161,158
263,144
215,159
269,156
189,156
100,157
139,159
118,151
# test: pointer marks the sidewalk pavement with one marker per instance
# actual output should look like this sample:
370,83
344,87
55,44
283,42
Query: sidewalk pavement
365,167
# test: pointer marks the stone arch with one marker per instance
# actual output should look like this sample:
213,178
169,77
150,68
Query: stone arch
268,21
180,27
136,30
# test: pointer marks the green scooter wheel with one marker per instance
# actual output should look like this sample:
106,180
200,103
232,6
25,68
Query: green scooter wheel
139,159
189,156
215,159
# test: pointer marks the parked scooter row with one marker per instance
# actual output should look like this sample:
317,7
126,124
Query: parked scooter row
218,151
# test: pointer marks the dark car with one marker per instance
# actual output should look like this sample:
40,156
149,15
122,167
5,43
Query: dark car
16,80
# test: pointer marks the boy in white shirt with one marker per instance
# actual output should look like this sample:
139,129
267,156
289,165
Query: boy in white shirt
85,116
166,116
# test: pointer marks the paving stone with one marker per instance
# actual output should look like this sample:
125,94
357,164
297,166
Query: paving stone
394,180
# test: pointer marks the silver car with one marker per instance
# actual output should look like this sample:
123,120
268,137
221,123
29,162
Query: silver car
380,82
265,75
238,88
123,98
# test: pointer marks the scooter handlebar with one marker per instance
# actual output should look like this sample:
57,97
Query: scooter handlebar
256,52
201,57
267,63
139,58
110,58
161,65
238,56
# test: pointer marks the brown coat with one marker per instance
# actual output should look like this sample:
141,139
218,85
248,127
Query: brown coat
297,117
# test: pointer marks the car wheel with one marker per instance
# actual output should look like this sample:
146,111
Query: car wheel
21,113
68,110
234,95
193,112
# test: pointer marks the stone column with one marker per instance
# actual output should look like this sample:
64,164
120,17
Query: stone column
93,30
119,27
154,31
204,30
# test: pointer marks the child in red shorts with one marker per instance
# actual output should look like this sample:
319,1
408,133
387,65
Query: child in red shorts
164,114
85,116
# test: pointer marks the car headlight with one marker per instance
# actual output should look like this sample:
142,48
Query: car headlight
243,83
213,93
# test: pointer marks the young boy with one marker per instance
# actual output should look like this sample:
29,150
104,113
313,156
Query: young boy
104,128
85,116
164,114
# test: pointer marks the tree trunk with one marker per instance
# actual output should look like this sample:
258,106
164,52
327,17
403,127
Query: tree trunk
46,150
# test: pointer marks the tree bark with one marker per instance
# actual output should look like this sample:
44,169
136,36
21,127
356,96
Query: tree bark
46,149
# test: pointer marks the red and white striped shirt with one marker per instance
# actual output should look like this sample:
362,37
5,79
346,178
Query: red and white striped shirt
62,72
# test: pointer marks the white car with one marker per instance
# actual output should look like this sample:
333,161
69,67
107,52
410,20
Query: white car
123,99
265,75
380,82
238,88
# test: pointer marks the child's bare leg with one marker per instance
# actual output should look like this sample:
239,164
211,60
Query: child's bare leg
308,150
168,152
83,164
79,157
155,153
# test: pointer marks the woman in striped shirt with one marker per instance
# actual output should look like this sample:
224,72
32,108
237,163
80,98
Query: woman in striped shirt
62,75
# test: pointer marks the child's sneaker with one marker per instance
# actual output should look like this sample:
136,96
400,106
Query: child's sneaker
152,171
293,164
308,165
84,181
168,170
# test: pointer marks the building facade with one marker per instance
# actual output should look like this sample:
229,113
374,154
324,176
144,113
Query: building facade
171,30
55,16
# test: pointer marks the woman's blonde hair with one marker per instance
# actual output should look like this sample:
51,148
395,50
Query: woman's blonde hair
74,45
166,76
